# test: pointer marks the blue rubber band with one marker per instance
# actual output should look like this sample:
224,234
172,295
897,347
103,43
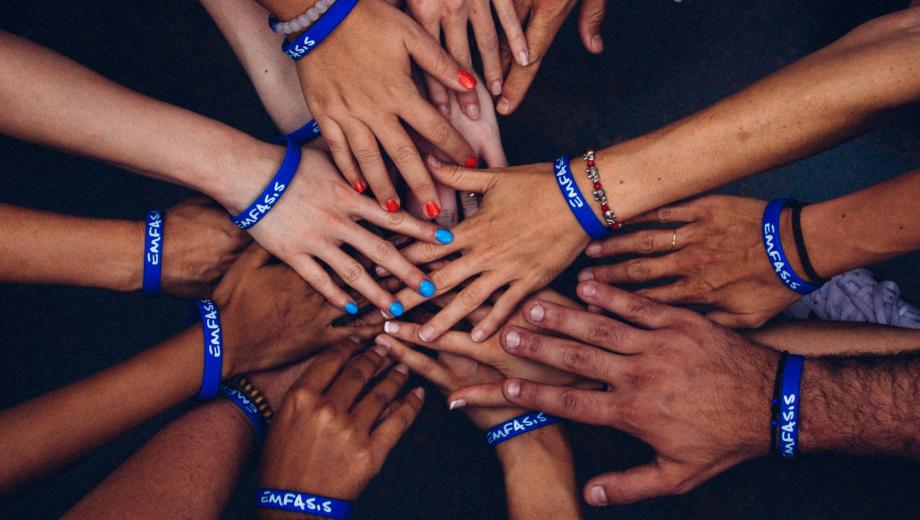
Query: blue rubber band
153,252
790,403
518,426
313,36
774,248
302,135
249,409
297,502
213,347
577,203
273,192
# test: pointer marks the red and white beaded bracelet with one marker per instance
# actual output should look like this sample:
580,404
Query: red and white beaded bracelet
610,218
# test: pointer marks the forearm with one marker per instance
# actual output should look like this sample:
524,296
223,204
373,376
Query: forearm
40,247
258,48
816,338
540,475
188,470
804,108
51,431
50,99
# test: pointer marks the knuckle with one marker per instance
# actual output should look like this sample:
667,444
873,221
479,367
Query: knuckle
645,243
599,333
637,271
570,400
367,155
423,186
404,154
664,214
384,250
440,132
397,219
352,272
443,63
575,358
470,296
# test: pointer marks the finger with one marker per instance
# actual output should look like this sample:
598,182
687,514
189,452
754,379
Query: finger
405,156
487,395
395,425
341,153
487,42
453,342
498,315
635,309
421,253
680,292
458,44
436,91
461,178
317,277
431,125
376,401
469,298
353,273
590,19
364,147
403,223
354,377
541,29
419,363
637,270
325,366
585,326
449,211
639,242
514,33
686,212
568,356
362,333
737,321
587,406
434,60
632,485
474,317
383,253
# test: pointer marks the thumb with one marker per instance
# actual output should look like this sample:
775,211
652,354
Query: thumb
589,24
631,485
433,59
461,178
486,395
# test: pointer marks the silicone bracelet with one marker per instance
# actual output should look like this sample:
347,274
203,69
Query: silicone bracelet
576,202
302,135
305,503
249,409
800,244
153,256
273,192
213,347
789,406
774,248
309,39
518,426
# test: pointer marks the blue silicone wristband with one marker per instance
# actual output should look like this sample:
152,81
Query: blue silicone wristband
774,248
297,502
153,252
790,402
576,202
313,36
273,192
302,135
249,409
518,426
213,349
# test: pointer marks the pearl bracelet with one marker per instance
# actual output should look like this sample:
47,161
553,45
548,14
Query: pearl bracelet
303,21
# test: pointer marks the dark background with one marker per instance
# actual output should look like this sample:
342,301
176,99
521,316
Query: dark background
663,60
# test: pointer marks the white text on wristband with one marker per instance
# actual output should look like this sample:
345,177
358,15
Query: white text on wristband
153,257
213,346
306,503
518,426
276,187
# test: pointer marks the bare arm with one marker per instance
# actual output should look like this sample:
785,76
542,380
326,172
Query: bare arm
816,338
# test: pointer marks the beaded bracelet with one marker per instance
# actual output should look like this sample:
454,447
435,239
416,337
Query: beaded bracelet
302,22
610,217
246,386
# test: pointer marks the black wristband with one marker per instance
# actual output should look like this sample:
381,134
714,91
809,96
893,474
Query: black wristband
800,245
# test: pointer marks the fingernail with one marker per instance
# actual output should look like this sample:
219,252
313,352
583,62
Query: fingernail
443,236
390,327
467,80
426,288
597,43
351,308
537,312
471,162
513,388
384,314
593,249
598,495
434,162
432,209
359,186
444,110
589,289
512,340
392,205
472,111
503,106
419,393
381,271
585,275
380,350
396,309
496,87
425,333
457,403
478,336
402,369
523,58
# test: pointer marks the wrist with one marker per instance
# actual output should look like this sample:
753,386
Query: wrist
123,265
787,237
243,174
543,444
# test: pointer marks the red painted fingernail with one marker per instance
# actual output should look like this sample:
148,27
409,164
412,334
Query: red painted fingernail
471,162
432,209
359,186
392,205
467,80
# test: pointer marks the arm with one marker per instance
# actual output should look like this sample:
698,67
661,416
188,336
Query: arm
826,338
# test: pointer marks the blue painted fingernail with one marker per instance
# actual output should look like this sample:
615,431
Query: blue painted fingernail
351,308
426,289
444,236
396,309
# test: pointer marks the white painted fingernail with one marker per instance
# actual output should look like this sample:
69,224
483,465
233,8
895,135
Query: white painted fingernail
478,335
458,403
523,58
496,87
425,333
381,271
390,327
598,496
537,312
512,339
513,389
402,369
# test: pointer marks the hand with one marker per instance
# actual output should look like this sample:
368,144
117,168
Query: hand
326,441
698,393
452,16
358,85
544,18
718,257
522,237
271,317
317,216
200,243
